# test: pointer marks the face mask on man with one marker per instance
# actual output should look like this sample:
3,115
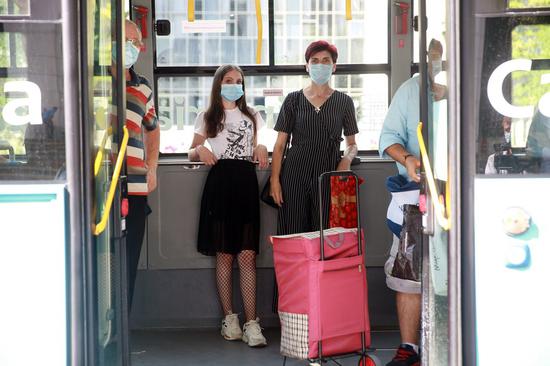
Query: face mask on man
437,66
232,92
131,54
320,73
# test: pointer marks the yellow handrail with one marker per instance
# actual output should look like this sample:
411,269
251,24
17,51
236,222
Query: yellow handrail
99,156
100,226
191,10
260,32
439,209
348,9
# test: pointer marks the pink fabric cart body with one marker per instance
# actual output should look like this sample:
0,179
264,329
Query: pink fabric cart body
321,300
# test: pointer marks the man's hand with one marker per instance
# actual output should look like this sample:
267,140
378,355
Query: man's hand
205,155
261,155
412,164
439,91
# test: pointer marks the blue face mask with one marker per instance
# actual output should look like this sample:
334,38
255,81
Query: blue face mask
131,54
320,73
232,92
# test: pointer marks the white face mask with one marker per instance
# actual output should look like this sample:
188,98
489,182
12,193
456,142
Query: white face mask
437,66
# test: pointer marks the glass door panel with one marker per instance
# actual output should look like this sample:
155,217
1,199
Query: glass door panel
108,274
435,325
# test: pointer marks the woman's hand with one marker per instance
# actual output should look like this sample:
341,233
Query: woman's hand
412,164
261,156
205,155
276,191
344,164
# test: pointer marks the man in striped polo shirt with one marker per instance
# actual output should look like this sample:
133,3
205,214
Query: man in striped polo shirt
142,153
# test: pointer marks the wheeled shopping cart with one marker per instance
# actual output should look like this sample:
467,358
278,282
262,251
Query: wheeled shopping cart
322,287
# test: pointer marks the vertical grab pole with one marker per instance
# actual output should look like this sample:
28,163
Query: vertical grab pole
190,10
260,32
348,9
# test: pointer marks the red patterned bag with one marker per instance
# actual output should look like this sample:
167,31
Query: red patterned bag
343,202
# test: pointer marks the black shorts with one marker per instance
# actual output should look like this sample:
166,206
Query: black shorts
230,209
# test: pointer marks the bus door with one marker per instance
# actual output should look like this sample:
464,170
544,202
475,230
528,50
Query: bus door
433,135
506,170
61,241
104,115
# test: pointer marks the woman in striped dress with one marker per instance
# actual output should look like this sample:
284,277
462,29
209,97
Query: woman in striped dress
313,118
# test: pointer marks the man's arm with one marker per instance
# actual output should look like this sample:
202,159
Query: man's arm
151,140
398,153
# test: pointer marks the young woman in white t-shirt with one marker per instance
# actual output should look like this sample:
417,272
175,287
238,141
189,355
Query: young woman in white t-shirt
230,215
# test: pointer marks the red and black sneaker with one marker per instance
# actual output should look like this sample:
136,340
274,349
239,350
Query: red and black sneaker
405,356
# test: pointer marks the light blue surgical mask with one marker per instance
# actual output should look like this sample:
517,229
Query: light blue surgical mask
320,73
131,54
232,92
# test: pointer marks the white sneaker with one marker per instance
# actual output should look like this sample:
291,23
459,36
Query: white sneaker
252,334
231,329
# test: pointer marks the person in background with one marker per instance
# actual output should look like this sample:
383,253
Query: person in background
504,146
314,118
230,213
142,153
399,141
538,141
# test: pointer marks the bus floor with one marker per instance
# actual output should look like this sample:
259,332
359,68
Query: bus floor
206,347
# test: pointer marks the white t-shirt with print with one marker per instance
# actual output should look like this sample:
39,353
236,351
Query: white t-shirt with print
236,140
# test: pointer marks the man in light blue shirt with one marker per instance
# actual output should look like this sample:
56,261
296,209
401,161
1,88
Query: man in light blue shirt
399,141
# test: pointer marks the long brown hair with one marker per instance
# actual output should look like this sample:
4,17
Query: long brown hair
214,115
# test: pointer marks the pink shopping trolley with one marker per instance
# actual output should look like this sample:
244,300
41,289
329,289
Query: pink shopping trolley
322,288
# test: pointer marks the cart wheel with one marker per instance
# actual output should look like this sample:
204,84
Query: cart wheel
369,360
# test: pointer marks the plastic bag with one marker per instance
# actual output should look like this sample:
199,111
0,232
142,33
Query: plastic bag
407,262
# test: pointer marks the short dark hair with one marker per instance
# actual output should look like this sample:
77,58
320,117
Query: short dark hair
319,46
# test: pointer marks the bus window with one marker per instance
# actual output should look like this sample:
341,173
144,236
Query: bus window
362,67
521,4
515,122
32,133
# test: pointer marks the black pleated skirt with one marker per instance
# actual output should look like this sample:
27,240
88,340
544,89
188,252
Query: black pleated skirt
230,209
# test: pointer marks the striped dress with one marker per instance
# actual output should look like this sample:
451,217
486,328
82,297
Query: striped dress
314,149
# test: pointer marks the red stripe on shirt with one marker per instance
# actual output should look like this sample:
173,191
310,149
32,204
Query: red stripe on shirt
135,92
133,126
135,162
137,193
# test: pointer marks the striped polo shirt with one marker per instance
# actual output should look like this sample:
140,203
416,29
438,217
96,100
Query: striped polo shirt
140,113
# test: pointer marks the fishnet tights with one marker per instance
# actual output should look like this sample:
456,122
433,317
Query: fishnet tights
247,270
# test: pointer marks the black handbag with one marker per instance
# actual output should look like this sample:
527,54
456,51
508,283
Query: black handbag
265,195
